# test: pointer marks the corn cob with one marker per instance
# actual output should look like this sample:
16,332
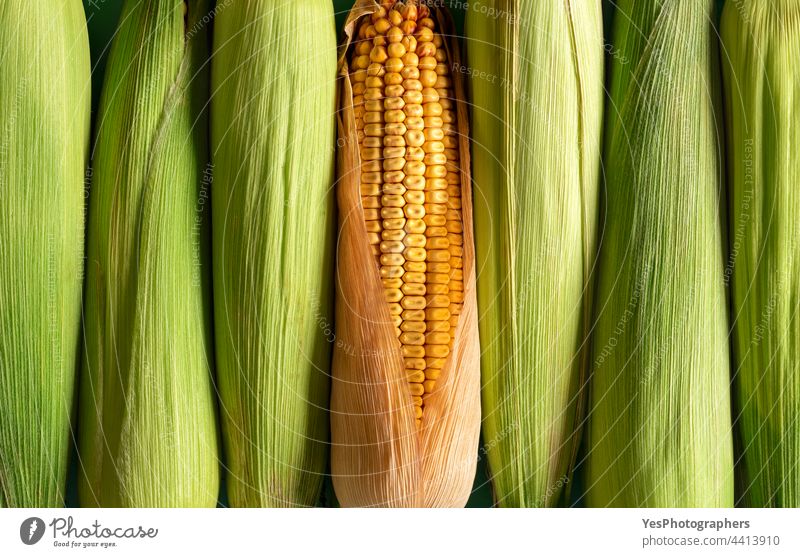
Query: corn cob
537,85
148,432
660,430
761,43
273,109
405,406
44,139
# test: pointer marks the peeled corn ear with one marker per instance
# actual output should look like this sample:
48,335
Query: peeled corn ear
44,134
537,89
405,409
761,53
660,421
273,107
148,434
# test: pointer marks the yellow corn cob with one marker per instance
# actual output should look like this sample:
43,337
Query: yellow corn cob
405,407
410,182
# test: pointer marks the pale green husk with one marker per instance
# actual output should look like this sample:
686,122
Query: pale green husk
273,110
761,56
147,418
537,89
660,421
44,138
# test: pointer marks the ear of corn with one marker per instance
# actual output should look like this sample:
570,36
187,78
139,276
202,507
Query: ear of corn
761,41
273,145
44,134
405,404
537,86
148,434
660,430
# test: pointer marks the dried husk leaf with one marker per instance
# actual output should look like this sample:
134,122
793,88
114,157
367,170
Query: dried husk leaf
537,89
379,457
273,136
761,53
45,94
660,420
148,435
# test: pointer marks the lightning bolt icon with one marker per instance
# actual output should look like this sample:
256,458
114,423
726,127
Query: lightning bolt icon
34,527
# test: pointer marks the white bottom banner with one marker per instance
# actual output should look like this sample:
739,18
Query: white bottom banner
383,532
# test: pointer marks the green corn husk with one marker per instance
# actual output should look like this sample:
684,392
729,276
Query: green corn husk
44,140
761,54
537,89
148,427
660,421
273,110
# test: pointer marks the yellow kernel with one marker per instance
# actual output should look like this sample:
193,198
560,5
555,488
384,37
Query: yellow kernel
413,315
395,65
414,168
425,35
374,130
439,268
414,110
432,374
415,196
394,177
413,254
434,288
437,244
371,202
394,236
393,295
414,182
436,196
393,103
415,123
415,138
410,97
437,278
415,240
378,54
414,363
427,78
435,134
434,363
414,289
437,338
392,259
436,171
392,247
414,339
414,211
415,226
396,283
393,164
415,267
393,79
393,201
437,350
